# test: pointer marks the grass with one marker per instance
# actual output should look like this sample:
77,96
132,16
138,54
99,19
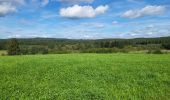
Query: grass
85,77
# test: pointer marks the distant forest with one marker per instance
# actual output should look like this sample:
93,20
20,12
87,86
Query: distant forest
59,46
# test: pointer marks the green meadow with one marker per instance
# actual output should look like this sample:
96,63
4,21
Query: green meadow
85,77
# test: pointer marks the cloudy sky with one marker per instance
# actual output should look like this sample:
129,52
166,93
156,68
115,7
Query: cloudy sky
84,19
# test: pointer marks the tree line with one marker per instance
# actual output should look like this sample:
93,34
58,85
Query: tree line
54,46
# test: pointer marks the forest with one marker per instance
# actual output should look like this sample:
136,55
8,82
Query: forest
62,46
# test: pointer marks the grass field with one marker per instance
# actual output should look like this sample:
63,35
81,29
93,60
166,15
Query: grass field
85,76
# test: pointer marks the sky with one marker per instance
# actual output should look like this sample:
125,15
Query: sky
84,19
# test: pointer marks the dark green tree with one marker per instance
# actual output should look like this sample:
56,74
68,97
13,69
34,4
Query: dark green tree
34,50
13,47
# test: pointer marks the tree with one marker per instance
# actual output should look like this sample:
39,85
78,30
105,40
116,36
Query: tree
24,50
166,46
34,50
13,47
44,50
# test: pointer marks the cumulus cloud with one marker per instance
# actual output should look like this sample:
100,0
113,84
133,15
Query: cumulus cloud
77,11
76,1
6,8
9,6
147,10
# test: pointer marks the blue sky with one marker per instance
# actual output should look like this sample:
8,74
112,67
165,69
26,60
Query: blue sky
84,19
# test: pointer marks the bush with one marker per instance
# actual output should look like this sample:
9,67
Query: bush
157,51
101,50
3,54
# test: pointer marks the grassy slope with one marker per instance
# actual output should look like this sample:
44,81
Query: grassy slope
85,76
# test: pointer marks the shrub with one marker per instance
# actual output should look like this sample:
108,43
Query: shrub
157,51
3,54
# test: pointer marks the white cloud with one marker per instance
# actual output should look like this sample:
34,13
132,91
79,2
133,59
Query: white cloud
147,10
77,11
9,6
94,24
99,25
114,22
76,1
150,30
6,8
101,9
13,2
85,31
